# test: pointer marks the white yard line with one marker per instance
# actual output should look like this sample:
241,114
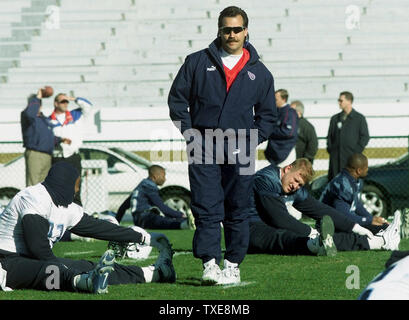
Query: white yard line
74,253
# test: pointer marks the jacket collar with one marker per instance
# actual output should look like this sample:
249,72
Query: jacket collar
214,52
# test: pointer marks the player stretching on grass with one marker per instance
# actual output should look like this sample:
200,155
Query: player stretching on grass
37,217
275,188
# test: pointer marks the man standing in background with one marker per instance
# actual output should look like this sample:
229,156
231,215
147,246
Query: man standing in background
307,142
38,139
68,127
347,134
280,149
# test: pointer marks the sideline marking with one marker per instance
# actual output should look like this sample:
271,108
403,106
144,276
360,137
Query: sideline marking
241,284
73,253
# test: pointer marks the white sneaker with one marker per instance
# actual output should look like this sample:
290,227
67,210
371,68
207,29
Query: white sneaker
230,273
391,235
211,273
404,230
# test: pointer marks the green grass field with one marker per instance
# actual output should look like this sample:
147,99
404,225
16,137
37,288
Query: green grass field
264,277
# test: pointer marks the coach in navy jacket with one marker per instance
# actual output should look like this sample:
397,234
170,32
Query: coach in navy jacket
203,96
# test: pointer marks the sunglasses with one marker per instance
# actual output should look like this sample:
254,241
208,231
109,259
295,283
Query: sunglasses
63,101
228,30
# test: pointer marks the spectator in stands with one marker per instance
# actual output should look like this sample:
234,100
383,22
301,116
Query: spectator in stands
275,187
307,142
347,134
342,193
281,143
148,209
68,127
38,139
226,87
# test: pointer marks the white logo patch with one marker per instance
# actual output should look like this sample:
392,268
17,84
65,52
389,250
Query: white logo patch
212,68
252,76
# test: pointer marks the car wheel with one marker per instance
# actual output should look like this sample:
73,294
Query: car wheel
6,195
374,201
175,198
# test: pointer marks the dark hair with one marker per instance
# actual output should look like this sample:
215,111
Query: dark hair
283,94
153,169
356,161
233,11
348,95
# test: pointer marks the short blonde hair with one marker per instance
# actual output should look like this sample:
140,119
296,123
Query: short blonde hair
305,167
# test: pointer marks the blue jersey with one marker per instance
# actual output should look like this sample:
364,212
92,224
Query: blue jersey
342,193
146,195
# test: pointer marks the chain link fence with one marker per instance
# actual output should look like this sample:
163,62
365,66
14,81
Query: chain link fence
112,169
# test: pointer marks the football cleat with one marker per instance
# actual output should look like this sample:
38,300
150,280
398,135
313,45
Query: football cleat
96,280
326,242
404,230
99,276
164,263
191,220
129,249
391,234
211,273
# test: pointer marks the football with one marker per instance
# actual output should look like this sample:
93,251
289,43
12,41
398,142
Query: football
47,91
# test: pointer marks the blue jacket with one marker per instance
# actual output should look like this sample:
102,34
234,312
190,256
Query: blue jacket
284,135
342,193
267,183
199,99
146,195
36,129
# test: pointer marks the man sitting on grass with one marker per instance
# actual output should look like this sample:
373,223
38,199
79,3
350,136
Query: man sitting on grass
148,209
342,193
275,188
38,216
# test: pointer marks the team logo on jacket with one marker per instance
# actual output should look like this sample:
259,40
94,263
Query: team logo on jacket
252,76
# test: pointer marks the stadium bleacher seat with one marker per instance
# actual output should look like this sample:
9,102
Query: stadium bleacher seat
125,53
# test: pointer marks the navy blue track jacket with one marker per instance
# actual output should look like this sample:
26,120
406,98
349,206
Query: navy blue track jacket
36,129
284,135
146,195
342,193
199,99
267,182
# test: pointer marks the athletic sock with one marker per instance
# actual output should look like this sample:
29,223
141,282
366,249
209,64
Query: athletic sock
313,245
150,274
313,234
376,242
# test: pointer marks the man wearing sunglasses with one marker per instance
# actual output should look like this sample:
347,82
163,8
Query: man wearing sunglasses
224,87
68,128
